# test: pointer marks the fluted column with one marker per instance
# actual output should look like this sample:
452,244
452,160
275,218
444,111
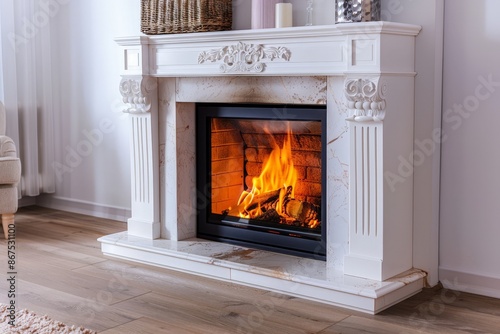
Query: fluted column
140,93
366,100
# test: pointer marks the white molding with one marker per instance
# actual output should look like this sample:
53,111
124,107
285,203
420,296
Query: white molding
26,201
84,207
309,32
134,59
462,281
242,57
133,40
317,50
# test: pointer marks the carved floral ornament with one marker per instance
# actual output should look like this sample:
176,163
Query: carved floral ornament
366,98
137,93
244,57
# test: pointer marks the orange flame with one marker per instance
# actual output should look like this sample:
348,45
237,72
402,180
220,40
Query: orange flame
278,172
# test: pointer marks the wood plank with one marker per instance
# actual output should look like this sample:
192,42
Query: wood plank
356,325
63,274
218,295
67,308
148,326
216,315
436,316
57,253
437,296
159,279
101,291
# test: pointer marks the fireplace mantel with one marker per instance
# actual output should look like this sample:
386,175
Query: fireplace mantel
359,49
364,74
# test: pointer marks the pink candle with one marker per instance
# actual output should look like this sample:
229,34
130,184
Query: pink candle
263,13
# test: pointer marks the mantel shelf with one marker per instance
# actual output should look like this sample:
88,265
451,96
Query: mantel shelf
316,50
378,27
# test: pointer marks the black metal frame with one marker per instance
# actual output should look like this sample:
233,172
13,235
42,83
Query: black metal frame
294,241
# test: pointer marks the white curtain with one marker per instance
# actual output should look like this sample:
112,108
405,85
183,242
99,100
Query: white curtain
26,88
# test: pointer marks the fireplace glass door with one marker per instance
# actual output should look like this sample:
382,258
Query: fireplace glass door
261,176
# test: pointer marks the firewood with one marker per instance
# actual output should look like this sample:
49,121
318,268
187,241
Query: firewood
264,199
304,212
292,212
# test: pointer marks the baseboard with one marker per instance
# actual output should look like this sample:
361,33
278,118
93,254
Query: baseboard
26,201
84,207
469,282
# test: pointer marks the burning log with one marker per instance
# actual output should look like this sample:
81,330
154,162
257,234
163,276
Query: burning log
303,212
265,201
266,207
258,200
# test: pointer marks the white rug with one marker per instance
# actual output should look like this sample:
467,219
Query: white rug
29,322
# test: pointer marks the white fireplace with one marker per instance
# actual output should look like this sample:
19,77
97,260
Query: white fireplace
364,75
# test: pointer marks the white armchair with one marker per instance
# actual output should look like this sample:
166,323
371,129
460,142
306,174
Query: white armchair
10,175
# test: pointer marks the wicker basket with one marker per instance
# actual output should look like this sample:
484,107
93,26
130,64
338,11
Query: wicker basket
179,16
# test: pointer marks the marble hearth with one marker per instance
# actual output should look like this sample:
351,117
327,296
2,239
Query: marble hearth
363,73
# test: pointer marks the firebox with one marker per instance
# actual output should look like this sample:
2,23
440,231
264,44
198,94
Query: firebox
261,176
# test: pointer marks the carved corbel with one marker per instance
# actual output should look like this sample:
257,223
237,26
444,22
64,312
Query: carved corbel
138,92
366,99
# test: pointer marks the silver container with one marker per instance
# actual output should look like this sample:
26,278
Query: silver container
357,10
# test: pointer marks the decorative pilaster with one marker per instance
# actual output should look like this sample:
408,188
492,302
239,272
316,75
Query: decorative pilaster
366,100
140,93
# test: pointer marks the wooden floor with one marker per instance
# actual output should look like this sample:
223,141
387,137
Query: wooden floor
62,273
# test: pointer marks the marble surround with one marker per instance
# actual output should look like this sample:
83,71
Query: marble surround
281,90
363,73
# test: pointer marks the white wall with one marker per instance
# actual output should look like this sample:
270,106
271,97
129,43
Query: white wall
323,13
92,138
470,191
